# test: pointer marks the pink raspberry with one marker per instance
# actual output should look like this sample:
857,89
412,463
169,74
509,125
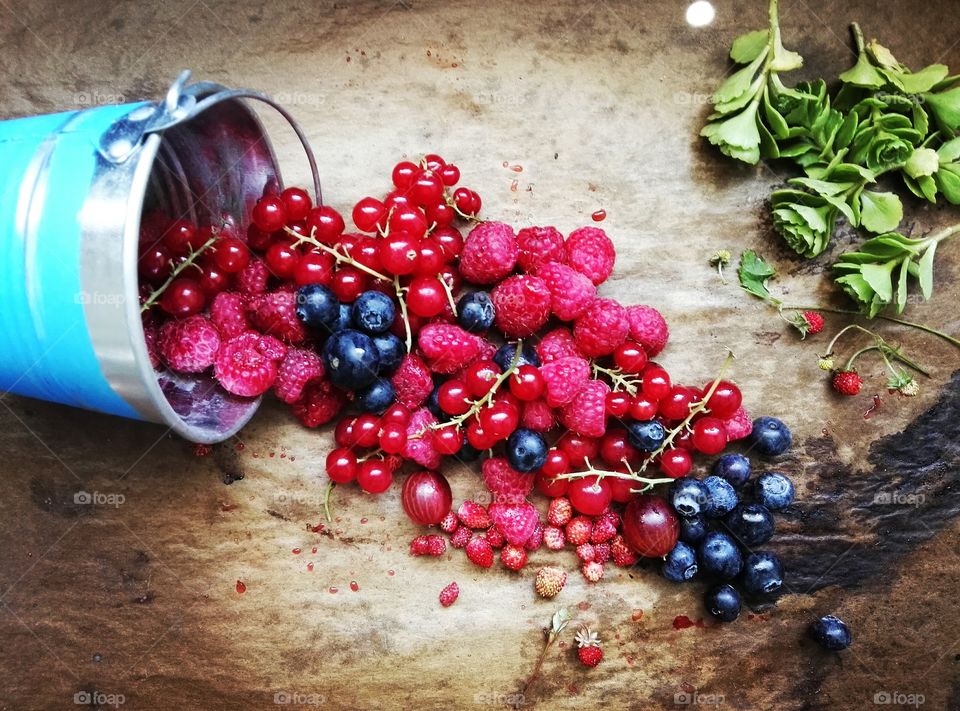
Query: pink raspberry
521,305
648,328
447,347
272,348
489,253
587,412
319,403
253,278
190,345
738,426
505,483
565,378
298,368
420,449
601,328
151,335
538,416
412,382
228,311
539,245
557,344
536,538
570,291
242,368
591,252
276,315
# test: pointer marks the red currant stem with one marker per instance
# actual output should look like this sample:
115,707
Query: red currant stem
326,500
465,216
177,271
344,258
370,455
619,380
403,313
601,473
891,319
449,290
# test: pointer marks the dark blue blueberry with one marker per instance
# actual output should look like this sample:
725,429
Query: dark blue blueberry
343,322
723,602
373,312
351,359
762,573
770,436
526,450
377,396
433,401
475,312
735,468
722,498
688,496
774,490
318,307
646,436
831,633
504,356
468,453
719,556
693,529
751,524
680,564
391,352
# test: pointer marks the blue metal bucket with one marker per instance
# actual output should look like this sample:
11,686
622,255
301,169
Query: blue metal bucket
74,190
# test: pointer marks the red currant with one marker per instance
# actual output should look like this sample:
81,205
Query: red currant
656,382
404,174
725,401
258,239
642,408
269,214
369,214
325,223
396,413
449,174
480,376
630,357
676,406
426,297
212,279
447,440
433,162
463,199
431,258
527,383
374,476
183,298
367,252
618,403
343,434
450,240
557,463
499,420
348,283
154,264
410,220
393,437
439,215
182,237
366,430
314,268
231,255
478,437
453,398
426,189
590,495
342,466
282,259
676,463
398,253
709,435
549,486
621,490
579,449
296,202
615,448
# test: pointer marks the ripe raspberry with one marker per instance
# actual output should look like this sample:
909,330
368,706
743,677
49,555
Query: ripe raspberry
536,538
242,368
447,347
276,315
539,245
428,545
565,378
420,449
319,403
272,348
461,537
515,521
622,554
514,557
449,523
604,529
507,485
495,538
588,644
473,515
228,311
538,416
412,381
648,328
190,345
592,571
549,582
738,426
521,305
601,552
591,252
489,253
449,594
578,530
587,412
847,382
570,291
557,344
253,278
601,328
586,553
560,511
554,538
299,367
479,551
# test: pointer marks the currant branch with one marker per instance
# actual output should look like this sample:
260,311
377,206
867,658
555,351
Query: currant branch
602,473
449,291
177,271
620,380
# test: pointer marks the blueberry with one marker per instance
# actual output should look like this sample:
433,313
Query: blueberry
722,498
343,322
390,349
693,528
718,555
504,356
351,359
751,524
433,401
475,312
735,468
688,496
774,490
377,396
680,564
526,450
646,436
832,633
468,453
770,436
723,602
373,312
762,573
318,307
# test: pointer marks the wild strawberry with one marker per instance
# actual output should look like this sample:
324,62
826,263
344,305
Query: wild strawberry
521,304
738,426
586,553
489,253
479,552
538,416
514,557
808,322
412,381
604,529
557,344
298,367
570,291
420,449
228,311
515,521
560,511
648,328
554,538
564,378
588,647
428,545
536,538
847,382
549,582
319,403
189,345
587,412
447,347
449,594
591,252
242,368
276,315
592,571
622,554
449,523
601,552
507,485
461,537
578,530
495,538
539,245
601,328
473,515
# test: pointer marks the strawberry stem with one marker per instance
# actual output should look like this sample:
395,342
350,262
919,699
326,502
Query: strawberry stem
891,319
177,271
557,624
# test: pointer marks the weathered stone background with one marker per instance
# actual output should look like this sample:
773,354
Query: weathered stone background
599,102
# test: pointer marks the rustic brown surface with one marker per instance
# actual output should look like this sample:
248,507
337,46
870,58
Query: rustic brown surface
599,102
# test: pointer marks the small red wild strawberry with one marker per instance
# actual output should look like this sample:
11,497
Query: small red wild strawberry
847,382
588,647
814,321
449,594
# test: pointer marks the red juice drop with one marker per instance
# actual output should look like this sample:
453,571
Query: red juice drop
354,586
599,216
241,587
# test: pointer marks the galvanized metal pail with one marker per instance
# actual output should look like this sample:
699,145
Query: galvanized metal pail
74,189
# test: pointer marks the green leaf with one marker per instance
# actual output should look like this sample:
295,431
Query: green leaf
754,273
738,83
949,151
880,279
824,187
902,286
923,161
928,188
880,212
925,275
846,131
924,80
775,121
737,136
863,73
945,108
949,184
920,120
883,56
748,47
